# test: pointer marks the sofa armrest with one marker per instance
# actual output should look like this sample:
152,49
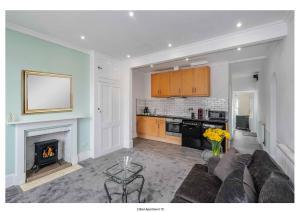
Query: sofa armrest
212,163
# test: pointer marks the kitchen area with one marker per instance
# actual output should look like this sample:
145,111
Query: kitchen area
177,106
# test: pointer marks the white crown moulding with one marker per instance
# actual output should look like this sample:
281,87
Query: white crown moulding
45,37
255,35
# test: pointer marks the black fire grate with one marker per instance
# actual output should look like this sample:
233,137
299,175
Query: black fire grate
46,152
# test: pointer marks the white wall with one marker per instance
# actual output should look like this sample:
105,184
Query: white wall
219,80
243,83
126,106
280,63
140,86
109,67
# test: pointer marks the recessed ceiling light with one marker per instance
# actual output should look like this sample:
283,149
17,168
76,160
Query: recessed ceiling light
82,37
128,56
239,24
170,45
131,14
239,49
187,59
151,65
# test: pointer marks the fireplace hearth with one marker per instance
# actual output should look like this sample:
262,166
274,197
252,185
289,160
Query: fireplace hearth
46,153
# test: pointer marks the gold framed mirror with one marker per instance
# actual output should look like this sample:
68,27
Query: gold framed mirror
45,92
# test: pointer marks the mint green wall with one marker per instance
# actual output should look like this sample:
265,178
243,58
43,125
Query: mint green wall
27,52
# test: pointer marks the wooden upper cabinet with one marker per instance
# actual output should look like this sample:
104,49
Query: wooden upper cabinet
175,83
202,81
160,84
164,84
155,85
187,82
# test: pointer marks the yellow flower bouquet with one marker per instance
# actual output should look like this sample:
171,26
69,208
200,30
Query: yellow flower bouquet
216,137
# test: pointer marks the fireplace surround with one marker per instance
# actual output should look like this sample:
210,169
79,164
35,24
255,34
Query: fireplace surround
26,130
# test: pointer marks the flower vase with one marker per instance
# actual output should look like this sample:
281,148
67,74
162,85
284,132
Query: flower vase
216,148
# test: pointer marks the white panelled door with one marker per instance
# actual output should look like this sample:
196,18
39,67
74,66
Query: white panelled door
108,124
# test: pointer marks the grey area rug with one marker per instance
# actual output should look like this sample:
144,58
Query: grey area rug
165,167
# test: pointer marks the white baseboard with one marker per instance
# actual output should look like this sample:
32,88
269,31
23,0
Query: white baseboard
9,180
83,155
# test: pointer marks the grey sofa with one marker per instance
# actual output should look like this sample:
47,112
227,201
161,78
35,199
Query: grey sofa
270,182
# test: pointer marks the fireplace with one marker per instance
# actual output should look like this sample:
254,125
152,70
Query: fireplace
45,153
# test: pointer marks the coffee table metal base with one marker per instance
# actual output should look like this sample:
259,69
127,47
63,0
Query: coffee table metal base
125,192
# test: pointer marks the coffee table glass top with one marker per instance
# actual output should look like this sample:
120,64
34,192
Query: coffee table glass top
123,171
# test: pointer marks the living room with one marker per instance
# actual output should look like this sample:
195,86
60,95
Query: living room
141,106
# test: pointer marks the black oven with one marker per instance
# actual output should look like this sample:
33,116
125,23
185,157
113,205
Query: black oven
173,126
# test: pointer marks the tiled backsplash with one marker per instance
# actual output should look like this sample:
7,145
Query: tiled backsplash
180,106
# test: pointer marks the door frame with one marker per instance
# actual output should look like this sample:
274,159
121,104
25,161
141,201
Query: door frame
254,108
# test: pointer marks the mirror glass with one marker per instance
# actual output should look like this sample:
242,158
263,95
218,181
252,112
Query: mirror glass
47,92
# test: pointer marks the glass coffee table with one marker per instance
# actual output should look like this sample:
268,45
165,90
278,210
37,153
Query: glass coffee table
124,173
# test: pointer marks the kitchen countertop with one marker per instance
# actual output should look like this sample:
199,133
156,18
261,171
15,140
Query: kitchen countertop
186,118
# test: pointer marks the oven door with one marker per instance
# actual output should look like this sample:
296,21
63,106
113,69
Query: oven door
173,128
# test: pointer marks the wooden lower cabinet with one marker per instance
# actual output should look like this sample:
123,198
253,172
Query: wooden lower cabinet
154,128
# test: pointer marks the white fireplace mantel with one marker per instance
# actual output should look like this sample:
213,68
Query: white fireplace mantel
24,130
21,122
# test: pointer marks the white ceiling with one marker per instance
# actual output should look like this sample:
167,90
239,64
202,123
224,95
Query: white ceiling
116,34
248,59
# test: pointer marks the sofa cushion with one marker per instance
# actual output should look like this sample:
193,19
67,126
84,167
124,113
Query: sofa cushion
199,186
238,187
230,161
261,167
277,189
